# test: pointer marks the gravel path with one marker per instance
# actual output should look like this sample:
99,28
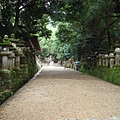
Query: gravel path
59,94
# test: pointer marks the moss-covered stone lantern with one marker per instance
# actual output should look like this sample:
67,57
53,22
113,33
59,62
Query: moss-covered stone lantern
13,40
5,52
5,44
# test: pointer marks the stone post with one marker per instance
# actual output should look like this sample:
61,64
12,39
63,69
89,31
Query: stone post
13,40
17,61
106,59
5,52
23,62
17,58
100,59
117,56
111,55
19,53
103,60
10,60
5,62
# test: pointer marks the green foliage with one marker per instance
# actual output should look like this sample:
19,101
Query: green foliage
84,26
93,26
23,17
4,95
67,35
12,80
108,74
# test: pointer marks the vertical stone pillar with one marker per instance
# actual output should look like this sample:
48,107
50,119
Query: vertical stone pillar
5,62
17,61
106,59
23,62
10,60
111,55
17,58
100,60
117,56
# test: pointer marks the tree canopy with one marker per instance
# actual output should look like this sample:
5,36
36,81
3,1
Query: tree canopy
82,26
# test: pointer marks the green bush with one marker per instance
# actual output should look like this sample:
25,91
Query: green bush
12,80
4,95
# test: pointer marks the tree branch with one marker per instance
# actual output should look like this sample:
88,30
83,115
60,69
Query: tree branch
28,5
114,16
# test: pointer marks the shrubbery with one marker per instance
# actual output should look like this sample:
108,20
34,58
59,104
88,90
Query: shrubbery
108,74
12,80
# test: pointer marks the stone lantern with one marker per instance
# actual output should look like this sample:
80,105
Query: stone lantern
111,55
106,59
13,40
117,51
103,60
6,43
11,60
100,60
5,52
18,54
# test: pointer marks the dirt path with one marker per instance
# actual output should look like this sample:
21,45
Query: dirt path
58,93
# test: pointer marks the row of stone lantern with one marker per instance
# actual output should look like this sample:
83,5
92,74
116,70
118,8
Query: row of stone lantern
111,59
11,52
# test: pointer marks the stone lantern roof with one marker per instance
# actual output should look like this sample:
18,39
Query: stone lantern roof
5,41
12,39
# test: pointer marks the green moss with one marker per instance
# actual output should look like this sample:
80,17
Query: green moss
4,73
15,78
12,48
20,45
4,95
5,44
14,40
1,83
2,88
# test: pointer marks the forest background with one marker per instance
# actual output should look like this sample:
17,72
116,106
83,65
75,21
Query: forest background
79,27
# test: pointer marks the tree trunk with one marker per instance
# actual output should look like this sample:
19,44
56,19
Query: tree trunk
109,38
17,17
